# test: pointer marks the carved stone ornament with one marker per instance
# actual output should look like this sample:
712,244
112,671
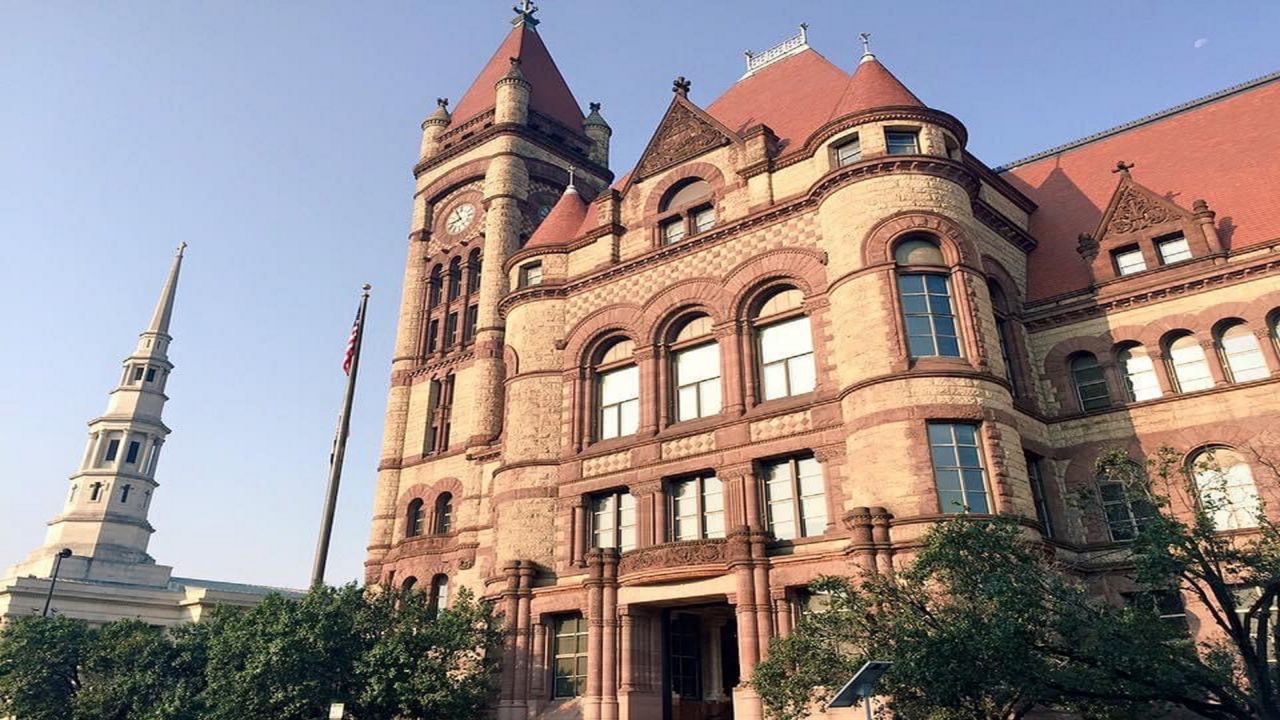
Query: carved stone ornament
1136,211
1087,246
673,555
681,136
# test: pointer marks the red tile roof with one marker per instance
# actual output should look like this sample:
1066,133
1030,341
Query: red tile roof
562,224
550,95
793,96
1223,148
872,86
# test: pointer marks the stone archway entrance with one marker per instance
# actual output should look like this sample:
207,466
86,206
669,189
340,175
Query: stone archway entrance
700,662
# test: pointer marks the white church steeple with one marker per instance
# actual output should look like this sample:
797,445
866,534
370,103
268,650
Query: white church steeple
104,517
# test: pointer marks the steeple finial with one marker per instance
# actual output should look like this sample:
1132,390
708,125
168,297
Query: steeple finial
867,55
524,14
1122,167
164,306
570,186
681,86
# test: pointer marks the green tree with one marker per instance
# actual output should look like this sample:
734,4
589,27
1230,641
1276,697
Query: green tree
40,666
133,671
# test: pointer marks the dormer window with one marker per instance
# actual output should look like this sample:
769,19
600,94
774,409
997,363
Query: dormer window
1129,260
686,210
1173,249
902,142
530,274
848,152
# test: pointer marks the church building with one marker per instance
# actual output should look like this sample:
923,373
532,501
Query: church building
97,545
641,411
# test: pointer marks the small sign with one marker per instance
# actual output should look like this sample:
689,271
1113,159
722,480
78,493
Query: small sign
337,711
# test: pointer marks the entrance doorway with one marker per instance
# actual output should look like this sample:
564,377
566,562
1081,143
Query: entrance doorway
700,664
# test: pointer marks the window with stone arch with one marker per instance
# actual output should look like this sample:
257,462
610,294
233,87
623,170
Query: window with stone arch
1188,366
414,518
1240,351
615,382
783,339
1224,481
439,598
1125,505
1137,372
443,518
1273,328
1089,381
924,292
451,307
687,208
1006,336
409,584
694,360
435,283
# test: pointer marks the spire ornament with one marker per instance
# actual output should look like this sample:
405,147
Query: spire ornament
524,14
1122,167
867,55
681,86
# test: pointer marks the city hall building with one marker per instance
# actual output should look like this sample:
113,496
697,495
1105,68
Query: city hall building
642,411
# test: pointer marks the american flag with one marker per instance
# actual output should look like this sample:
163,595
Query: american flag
351,345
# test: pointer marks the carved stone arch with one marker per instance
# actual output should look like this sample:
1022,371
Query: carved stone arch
957,248
704,294
802,267
1131,335
1169,331
996,272
589,331
456,178
702,170
1099,345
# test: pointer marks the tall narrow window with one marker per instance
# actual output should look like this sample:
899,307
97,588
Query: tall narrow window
113,449
1124,504
673,231
1090,382
151,374
618,391
444,514
1227,491
1129,260
450,329
613,520
957,468
531,274
95,492
795,498
1190,368
408,585
684,640
455,278
703,219
902,142
695,358
785,346
1173,249
439,409
124,493
469,326
1138,372
473,271
1004,334
848,152
131,455
433,335
697,508
925,295
569,653
1035,475
414,519
434,285
1241,354
439,599
137,375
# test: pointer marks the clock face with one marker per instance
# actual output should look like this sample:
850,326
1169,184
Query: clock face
460,218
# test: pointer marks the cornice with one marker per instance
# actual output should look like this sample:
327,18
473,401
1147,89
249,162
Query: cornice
408,377
524,132
1000,225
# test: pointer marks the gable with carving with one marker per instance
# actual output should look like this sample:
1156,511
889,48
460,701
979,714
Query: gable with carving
684,133
1136,211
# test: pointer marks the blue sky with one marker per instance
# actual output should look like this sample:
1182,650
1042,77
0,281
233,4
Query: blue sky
277,139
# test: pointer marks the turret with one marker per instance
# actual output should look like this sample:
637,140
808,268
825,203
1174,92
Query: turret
433,127
512,101
599,132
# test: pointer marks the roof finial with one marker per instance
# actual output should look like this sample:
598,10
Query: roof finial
1122,167
442,103
804,33
182,248
571,187
866,47
524,14
680,86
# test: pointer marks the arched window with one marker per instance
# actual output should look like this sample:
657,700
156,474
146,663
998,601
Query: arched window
439,599
1187,362
1090,382
1124,503
1004,333
1138,373
924,289
690,210
1241,353
1227,491
473,271
408,584
444,514
433,286
455,278
617,390
414,519
784,343
695,369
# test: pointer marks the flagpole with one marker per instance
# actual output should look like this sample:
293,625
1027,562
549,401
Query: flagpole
339,450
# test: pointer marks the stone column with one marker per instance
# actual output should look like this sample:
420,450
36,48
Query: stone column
578,533
713,668
646,360
782,611
651,519
1164,375
763,606
740,563
538,668
520,689
733,399
664,389
626,649
861,547
511,611
1214,360
609,640
880,521
595,634
1267,345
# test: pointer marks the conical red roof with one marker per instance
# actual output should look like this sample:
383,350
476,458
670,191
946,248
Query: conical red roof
792,96
562,223
873,86
550,95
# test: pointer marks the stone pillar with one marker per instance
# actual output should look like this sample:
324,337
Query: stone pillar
1214,359
733,400
740,563
713,668
646,360
763,606
1164,375
664,389
880,522
510,600
782,612
862,548
626,649
651,513
609,631
1204,216
578,533
1267,344
538,669
520,688
595,634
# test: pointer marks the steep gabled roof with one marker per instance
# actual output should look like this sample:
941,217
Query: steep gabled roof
873,86
684,132
550,95
793,96
1221,148
562,223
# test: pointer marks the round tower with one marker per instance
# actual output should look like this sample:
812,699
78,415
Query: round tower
433,127
599,132
512,105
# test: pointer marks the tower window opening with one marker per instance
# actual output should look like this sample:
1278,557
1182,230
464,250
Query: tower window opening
135,449
95,492
124,493
113,449
137,375
848,152
151,374
1129,260
902,142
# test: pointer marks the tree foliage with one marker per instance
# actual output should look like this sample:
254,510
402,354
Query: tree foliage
384,655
